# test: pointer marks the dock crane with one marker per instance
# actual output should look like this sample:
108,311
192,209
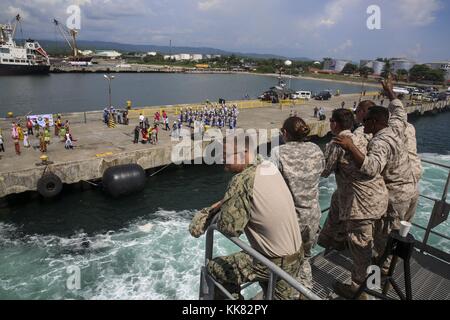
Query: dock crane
70,35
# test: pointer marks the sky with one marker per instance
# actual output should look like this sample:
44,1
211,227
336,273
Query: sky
416,29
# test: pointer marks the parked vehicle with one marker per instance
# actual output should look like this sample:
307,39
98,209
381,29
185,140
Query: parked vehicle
416,96
443,96
306,95
410,89
400,90
323,95
429,98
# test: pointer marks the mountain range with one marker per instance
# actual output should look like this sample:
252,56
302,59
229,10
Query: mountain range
57,46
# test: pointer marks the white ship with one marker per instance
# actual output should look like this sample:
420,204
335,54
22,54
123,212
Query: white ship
14,59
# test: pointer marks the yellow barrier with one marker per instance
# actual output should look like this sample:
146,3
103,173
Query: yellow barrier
102,155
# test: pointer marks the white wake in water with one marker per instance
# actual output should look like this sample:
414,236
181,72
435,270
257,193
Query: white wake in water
147,260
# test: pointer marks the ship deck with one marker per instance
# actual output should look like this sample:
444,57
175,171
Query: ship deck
430,277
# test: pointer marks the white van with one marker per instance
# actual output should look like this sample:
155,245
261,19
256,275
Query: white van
401,90
416,96
306,95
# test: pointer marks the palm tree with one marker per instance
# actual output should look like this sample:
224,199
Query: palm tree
386,69
402,75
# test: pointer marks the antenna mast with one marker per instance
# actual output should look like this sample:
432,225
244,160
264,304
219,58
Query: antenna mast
16,21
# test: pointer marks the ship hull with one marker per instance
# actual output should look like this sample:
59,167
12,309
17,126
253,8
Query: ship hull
9,69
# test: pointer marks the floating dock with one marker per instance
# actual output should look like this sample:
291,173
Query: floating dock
98,147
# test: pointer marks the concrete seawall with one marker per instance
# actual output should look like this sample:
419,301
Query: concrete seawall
99,147
81,170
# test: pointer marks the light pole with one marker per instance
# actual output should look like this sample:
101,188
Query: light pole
109,78
288,63
362,89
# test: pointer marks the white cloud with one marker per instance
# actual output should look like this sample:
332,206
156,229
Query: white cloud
206,5
344,46
413,52
12,11
334,12
418,12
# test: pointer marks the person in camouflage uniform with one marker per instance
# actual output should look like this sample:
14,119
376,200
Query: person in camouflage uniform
387,155
360,114
362,199
398,121
301,164
399,124
268,219
333,235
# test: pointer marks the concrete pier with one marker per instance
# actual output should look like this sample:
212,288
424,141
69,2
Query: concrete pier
99,147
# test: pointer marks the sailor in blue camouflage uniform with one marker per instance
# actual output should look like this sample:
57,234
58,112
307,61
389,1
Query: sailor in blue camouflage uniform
268,219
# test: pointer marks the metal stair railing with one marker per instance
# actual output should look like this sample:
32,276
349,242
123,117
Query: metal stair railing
208,284
438,215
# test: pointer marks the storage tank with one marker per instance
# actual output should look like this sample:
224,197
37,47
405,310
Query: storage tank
378,67
398,64
197,57
365,63
335,65
340,64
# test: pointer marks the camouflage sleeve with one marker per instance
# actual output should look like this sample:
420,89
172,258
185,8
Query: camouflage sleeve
275,158
376,158
332,154
411,145
398,117
235,210
201,222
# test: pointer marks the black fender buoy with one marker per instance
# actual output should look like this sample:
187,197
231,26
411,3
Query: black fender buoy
124,180
49,185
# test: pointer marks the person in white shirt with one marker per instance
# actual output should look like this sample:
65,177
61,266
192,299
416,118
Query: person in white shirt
141,121
69,144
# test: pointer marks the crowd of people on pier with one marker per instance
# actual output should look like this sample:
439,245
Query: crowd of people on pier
374,159
22,135
209,116
111,115
218,115
147,132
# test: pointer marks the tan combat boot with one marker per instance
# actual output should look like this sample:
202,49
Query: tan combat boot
348,291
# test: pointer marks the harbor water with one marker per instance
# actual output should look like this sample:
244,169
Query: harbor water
139,247
59,93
